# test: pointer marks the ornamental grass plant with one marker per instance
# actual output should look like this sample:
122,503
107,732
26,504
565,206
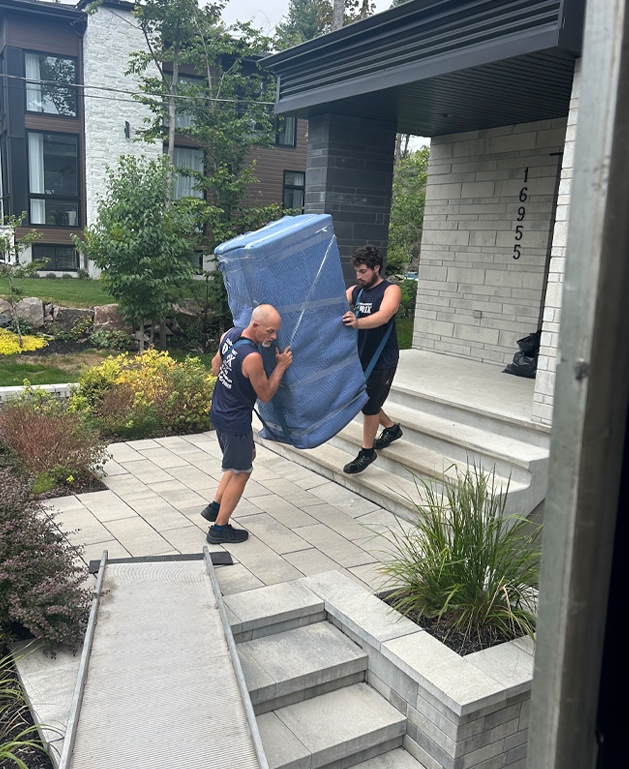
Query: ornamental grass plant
463,565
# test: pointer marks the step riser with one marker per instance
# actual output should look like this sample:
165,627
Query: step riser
488,464
352,758
455,413
305,694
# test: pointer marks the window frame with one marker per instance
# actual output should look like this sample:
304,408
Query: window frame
202,194
49,268
293,187
73,86
44,197
279,131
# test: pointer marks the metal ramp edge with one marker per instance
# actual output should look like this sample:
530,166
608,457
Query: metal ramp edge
214,746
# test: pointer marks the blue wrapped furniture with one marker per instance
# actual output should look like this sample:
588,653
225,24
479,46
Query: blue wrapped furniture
294,265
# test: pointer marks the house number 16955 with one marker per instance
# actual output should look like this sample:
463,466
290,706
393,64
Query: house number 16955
519,229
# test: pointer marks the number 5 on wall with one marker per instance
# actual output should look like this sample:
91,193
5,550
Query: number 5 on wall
516,251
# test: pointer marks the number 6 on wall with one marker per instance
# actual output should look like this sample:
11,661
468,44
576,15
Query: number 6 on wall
516,251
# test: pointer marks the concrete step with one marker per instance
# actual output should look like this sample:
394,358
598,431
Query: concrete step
341,728
299,664
394,759
460,441
463,413
409,459
392,492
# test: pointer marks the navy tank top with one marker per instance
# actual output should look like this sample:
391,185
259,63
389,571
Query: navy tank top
234,397
370,338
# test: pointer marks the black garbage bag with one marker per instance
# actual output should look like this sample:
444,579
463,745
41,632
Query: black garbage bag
523,365
525,361
529,345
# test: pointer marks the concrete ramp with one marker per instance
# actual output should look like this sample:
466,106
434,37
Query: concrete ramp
160,682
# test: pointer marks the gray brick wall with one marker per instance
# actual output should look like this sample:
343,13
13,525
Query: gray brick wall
349,175
474,299
547,362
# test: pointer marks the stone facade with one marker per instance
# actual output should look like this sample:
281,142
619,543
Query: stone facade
105,138
488,221
350,172
547,361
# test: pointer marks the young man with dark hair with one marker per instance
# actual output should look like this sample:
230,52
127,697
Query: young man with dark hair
376,302
240,380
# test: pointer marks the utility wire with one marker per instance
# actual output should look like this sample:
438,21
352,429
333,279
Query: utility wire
58,84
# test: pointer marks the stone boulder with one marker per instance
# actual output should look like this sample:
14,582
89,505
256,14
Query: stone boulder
186,312
65,317
6,313
32,310
106,318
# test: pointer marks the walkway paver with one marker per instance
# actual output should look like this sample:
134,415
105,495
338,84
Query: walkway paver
300,523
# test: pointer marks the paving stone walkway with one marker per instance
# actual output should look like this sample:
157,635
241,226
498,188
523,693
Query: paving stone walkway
300,523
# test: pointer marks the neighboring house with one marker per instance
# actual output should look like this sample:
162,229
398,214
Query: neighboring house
65,116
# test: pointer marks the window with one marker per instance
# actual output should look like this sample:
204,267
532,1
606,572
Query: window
56,257
294,189
44,96
191,159
53,179
286,131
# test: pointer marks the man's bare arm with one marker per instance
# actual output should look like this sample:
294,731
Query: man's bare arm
390,304
253,369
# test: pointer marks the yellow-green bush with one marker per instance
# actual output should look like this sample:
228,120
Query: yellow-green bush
145,395
10,343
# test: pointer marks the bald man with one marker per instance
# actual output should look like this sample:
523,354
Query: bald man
241,379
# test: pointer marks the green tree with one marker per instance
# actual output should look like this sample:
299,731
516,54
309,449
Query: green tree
407,210
140,242
307,19
11,250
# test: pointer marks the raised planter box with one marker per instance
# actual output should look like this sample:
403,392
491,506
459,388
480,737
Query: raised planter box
463,712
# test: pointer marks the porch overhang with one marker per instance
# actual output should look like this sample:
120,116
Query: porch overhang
439,66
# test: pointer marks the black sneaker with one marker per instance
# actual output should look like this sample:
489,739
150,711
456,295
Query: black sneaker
210,512
226,535
361,462
387,436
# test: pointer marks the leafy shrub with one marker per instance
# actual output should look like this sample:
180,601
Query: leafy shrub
464,563
114,339
49,439
50,276
83,274
10,343
41,583
409,297
145,395
67,276
80,329
26,327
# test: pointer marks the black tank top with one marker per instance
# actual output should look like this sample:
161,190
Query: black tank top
234,397
370,338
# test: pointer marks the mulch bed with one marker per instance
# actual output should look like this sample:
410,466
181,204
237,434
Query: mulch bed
453,639
59,347
19,717
78,487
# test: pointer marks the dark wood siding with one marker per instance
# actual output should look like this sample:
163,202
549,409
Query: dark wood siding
57,235
42,34
271,164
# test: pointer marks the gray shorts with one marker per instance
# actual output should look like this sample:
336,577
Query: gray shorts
238,451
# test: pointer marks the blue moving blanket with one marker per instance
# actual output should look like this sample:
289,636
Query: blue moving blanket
294,265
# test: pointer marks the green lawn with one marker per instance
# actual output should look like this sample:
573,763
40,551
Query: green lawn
181,355
69,293
13,374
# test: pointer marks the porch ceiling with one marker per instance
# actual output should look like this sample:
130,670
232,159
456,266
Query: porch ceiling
439,66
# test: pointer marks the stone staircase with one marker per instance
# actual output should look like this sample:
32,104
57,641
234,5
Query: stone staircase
440,437
313,707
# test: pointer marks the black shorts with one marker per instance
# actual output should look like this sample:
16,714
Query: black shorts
378,386
238,451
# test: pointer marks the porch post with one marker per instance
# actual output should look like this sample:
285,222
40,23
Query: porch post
349,175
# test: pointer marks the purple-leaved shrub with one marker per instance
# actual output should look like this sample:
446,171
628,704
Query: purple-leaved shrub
41,580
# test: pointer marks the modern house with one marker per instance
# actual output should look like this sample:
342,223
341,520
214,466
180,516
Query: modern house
67,112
